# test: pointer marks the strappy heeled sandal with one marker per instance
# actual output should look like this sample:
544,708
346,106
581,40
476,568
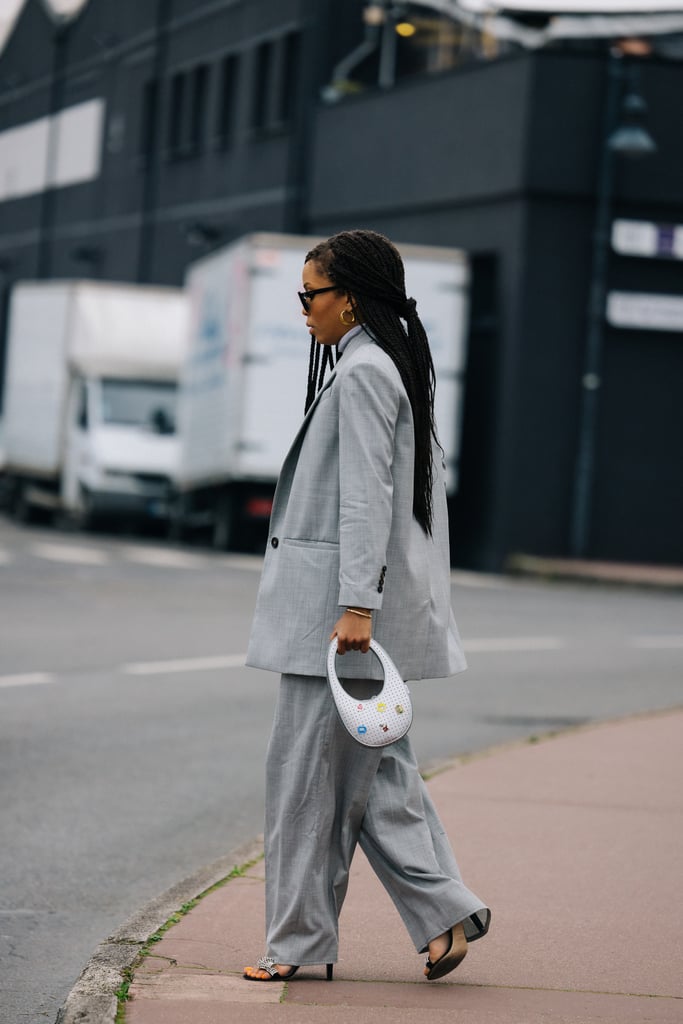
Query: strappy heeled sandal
454,955
267,964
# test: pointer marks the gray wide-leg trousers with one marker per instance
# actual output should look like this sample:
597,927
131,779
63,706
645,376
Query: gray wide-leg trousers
325,793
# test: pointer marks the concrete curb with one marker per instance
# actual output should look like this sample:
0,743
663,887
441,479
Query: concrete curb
93,998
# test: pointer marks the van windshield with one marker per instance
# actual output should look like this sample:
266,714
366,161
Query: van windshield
148,404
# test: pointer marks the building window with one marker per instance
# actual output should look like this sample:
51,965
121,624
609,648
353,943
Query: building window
263,68
176,115
148,118
200,83
227,101
289,77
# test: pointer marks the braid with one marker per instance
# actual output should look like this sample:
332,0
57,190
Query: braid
369,268
316,372
327,360
313,363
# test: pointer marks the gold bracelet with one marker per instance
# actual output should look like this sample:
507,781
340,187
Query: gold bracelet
363,615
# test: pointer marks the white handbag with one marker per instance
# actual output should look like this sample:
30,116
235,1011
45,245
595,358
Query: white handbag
381,719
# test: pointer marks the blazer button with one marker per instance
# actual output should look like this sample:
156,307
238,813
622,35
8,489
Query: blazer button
380,589
274,542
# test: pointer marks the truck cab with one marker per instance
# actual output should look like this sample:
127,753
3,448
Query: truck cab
90,399
122,453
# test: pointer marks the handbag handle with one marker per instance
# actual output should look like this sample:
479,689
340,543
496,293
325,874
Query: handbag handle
378,720
376,648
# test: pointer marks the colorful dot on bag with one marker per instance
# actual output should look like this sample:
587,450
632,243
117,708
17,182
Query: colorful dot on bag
362,729
384,728
399,709
381,706
360,707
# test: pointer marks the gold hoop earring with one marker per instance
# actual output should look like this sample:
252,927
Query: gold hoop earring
347,323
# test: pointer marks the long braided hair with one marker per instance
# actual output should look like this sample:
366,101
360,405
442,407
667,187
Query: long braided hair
369,268
316,370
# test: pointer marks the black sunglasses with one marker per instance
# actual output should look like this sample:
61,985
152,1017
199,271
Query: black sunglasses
307,296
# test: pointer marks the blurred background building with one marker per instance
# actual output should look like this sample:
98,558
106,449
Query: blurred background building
136,136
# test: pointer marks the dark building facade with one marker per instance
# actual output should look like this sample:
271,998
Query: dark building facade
208,122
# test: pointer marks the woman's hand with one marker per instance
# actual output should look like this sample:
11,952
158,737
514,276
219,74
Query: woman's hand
353,632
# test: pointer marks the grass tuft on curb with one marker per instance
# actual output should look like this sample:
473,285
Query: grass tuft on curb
123,991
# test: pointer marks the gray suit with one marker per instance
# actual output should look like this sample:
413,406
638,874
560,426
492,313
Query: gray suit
343,533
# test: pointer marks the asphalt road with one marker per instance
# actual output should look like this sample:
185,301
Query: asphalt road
132,740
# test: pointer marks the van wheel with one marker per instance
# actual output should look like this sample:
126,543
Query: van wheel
176,525
83,518
224,534
23,512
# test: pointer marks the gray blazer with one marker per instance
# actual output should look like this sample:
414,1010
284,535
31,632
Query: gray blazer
342,532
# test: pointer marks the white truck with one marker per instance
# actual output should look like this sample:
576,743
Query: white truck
243,383
90,398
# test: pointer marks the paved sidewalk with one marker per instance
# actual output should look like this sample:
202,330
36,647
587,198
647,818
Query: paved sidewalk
576,843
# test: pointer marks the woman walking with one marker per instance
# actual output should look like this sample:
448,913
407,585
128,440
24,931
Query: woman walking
358,548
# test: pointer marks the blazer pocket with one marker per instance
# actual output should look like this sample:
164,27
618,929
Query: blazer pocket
308,584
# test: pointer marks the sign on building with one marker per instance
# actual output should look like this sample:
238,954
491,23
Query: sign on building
643,310
644,238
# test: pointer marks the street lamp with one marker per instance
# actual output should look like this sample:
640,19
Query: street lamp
624,135
631,138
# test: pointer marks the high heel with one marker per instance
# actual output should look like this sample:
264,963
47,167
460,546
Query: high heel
267,964
454,955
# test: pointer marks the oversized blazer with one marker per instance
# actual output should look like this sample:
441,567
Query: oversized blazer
342,532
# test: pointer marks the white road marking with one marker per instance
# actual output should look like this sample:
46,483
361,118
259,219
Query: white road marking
479,645
163,558
250,563
512,644
664,642
27,679
151,668
70,553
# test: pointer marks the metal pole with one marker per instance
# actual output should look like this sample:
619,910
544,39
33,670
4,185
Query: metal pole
387,53
5,285
584,474
152,172
55,104
304,115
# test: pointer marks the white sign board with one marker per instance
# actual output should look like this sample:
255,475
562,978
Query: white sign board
645,238
641,310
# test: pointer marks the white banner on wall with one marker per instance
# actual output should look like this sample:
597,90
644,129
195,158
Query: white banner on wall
52,152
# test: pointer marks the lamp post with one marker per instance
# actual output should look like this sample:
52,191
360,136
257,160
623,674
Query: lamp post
5,284
625,137
55,105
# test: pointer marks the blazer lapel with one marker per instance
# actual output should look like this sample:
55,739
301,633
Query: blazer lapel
291,458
